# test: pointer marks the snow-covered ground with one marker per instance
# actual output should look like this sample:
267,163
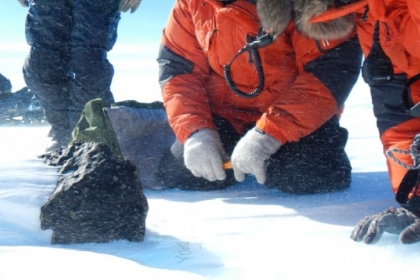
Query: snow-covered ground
243,232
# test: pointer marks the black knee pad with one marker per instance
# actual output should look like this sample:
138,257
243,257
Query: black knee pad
317,163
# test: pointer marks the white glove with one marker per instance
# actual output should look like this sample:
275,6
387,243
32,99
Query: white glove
24,3
204,155
251,153
126,5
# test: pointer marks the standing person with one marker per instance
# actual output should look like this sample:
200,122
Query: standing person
270,106
389,33
67,65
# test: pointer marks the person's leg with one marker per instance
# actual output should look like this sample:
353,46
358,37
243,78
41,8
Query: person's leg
48,25
173,173
94,33
317,163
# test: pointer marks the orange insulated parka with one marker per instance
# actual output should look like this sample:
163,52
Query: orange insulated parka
399,37
306,80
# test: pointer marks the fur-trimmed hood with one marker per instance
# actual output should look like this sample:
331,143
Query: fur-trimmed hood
276,14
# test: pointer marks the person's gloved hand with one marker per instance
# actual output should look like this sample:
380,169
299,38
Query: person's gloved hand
204,155
126,5
251,153
393,220
24,3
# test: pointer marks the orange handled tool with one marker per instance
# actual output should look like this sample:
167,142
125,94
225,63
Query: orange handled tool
227,165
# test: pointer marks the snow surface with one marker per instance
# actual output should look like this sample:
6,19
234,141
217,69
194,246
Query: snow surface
244,232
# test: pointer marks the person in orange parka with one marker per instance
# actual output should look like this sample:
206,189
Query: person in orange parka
389,34
269,105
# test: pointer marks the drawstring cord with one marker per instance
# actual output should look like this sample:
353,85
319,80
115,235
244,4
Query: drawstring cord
254,57
414,151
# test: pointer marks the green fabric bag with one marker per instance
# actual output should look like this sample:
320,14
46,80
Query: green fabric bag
94,126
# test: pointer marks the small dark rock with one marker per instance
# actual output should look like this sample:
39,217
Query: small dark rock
98,198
